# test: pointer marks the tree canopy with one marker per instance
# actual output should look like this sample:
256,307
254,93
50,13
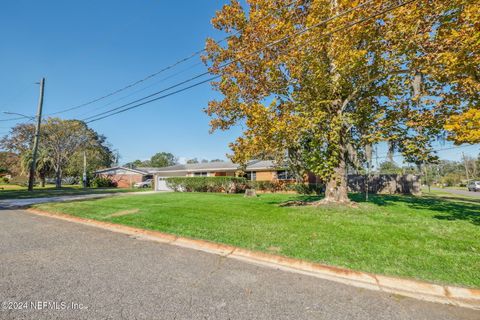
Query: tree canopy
163,159
158,160
61,146
317,82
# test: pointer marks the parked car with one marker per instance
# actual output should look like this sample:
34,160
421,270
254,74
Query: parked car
473,186
144,184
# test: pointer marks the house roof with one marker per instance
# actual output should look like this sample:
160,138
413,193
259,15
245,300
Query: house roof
198,167
137,170
218,166
261,165
148,169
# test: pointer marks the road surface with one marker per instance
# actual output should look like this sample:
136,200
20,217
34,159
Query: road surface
55,269
460,192
15,203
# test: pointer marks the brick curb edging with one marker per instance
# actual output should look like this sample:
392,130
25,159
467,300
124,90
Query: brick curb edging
463,297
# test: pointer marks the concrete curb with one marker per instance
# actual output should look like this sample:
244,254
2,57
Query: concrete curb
463,297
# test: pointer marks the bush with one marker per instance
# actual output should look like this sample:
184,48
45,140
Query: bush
69,180
4,180
272,186
207,184
102,182
306,188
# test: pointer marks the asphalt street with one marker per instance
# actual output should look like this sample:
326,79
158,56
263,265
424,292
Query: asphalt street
52,269
15,203
460,192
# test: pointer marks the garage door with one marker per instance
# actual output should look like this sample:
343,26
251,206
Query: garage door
161,184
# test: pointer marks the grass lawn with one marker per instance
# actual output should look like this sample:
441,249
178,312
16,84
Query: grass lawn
429,238
8,191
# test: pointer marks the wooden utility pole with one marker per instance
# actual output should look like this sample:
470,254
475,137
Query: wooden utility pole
368,152
465,163
31,177
427,179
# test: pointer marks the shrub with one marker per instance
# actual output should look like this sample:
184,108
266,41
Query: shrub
207,184
272,186
4,180
102,182
306,188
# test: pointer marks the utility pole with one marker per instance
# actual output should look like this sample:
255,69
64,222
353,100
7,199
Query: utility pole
84,169
426,176
465,164
368,153
31,177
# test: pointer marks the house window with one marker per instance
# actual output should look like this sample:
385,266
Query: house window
200,174
251,175
284,175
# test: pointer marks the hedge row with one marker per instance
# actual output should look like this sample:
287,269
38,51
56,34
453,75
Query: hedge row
236,185
207,184
279,186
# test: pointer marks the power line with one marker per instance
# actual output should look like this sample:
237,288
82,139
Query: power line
148,77
239,59
152,95
13,119
254,52
435,150
232,61
142,89
155,99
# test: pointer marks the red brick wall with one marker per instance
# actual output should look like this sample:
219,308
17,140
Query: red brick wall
124,180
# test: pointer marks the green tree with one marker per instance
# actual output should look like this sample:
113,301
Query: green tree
43,166
60,141
99,155
389,167
192,161
10,163
134,164
163,159
320,98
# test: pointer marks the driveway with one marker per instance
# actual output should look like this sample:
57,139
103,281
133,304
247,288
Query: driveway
47,265
460,192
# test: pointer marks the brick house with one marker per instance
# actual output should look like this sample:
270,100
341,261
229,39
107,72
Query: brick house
126,177
257,170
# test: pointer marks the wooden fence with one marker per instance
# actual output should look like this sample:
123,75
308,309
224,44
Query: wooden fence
386,184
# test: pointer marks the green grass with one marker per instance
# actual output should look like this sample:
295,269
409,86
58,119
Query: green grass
429,238
21,192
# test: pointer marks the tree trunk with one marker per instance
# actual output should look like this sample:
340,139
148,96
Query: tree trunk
336,190
58,178
42,180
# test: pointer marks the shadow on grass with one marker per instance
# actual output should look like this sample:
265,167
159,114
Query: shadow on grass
448,208
460,199
304,198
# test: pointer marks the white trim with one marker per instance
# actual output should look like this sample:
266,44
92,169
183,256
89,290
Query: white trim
103,171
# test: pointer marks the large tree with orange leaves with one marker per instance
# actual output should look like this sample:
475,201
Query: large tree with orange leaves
317,82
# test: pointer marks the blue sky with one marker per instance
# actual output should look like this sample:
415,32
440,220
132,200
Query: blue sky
89,48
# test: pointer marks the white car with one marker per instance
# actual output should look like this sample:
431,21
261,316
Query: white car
473,186
144,184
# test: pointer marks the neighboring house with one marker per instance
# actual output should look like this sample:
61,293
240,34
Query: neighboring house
126,177
259,170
